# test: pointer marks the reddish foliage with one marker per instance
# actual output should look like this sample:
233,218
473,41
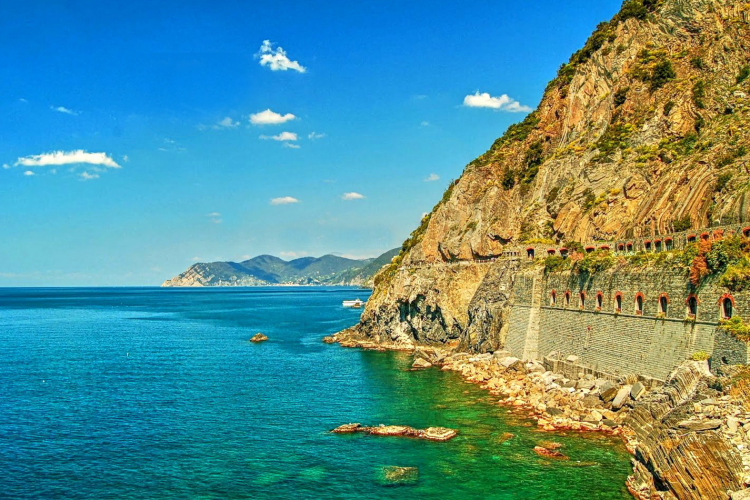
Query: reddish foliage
699,269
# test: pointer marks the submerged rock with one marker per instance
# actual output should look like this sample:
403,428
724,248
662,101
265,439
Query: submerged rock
546,452
259,337
393,475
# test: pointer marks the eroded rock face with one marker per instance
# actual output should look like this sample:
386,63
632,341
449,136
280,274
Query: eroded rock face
612,152
679,459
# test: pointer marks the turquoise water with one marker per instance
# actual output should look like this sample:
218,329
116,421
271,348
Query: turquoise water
147,393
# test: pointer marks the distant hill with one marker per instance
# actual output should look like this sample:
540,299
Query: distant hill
265,270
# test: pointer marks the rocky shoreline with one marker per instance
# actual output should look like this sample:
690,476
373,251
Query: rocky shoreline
690,440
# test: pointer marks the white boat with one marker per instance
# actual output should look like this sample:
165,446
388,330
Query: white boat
353,303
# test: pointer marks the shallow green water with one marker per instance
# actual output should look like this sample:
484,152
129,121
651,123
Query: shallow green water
150,393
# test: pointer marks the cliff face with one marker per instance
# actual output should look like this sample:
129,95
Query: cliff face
645,131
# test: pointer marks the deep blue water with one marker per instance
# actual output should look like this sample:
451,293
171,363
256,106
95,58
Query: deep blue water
148,393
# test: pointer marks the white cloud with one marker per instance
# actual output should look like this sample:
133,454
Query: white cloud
352,196
86,176
502,103
315,135
215,217
291,145
63,109
21,99
284,136
68,158
284,200
276,58
269,117
425,123
227,122
125,158
293,255
213,214
196,259
6,166
29,173
432,177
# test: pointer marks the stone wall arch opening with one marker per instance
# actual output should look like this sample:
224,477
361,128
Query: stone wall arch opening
629,247
567,298
647,245
692,238
618,302
663,304
692,306
530,253
669,244
582,300
621,247
640,299
657,245
726,306
746,232
553,298
599,301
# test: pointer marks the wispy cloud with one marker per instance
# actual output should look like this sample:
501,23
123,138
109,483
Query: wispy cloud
29,173
215,217
21,99
276,58
425,123
291,145
269,117
227,122
67,111
68,158
87,176
502,103
284,136
315,135
432,178
294,255
352,196
284,200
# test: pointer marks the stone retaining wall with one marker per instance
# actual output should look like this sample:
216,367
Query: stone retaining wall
648,342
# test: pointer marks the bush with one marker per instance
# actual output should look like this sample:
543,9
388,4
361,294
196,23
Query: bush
737,276
699,92
744,73
518,132
509,179
533,159
662,73
698,63
621,96
736,327
668,107
596,261
700,356
683,224
722,181
554,263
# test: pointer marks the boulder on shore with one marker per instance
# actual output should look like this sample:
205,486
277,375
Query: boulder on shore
259,337
421,363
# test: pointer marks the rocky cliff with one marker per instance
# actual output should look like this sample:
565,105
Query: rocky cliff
645,131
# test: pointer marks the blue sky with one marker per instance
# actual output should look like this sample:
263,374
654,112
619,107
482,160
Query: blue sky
139,137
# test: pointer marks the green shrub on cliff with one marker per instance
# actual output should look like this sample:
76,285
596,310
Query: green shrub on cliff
596,261
737,276
555,263
736,327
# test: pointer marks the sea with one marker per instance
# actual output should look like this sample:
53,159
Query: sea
157,393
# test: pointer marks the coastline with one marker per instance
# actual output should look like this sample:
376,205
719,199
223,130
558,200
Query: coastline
674,432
